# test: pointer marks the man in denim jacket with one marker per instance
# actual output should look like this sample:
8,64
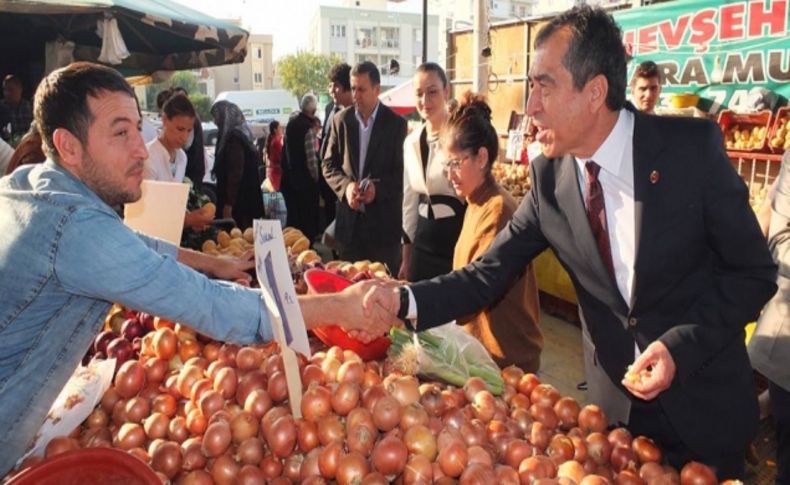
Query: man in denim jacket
65,255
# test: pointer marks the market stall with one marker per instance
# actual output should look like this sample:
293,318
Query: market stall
136,37
430,408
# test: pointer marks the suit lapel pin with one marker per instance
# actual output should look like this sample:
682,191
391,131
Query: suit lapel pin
654,176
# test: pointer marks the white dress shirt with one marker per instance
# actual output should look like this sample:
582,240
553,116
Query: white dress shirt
616,158
364,136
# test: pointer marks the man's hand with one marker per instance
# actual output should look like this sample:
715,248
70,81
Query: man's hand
197,219
352,195
234,269
372,319
651,373
384,295
369,195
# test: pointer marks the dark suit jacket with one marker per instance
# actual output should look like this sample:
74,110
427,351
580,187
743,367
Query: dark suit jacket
702,271
382,220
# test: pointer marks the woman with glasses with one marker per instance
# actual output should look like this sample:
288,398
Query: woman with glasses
432,213
508,328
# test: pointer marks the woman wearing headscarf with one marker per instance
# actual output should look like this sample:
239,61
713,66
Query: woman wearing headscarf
236,167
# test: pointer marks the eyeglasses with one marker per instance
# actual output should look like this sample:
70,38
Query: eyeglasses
454,164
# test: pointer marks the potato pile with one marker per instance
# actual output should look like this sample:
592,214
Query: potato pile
513,177
744,137
781,138
232,244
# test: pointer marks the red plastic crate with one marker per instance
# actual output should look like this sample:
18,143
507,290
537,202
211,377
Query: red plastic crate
730,121
782,114
321,281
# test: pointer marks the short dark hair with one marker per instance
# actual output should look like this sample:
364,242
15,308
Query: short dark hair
435,68
61,100
12,79
596,47
341,74
648,70
470,128
178,105
368,68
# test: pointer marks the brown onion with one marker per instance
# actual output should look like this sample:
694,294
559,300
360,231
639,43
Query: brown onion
224,470
420,441
165,404
277,387
316,403
216,440
527,384
177,430
282,436
167,459
695,473
61,444
646,450
351,469
244,425
257,403
250,451
345,397
571,469
453,459
193,457
516,451
473,386
544,395
248,358
389,456
418,470
130,435
312,374
567,410
592,419
406,389
352,371
306,435
137,409
130,379
598,448
197,477
431,400
328,458
477,474
386,413
271,466
330,429
156,426
225,382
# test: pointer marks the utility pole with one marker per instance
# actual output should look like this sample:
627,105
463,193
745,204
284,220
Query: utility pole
424,31
479,44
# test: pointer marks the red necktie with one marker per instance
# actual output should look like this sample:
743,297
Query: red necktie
596,214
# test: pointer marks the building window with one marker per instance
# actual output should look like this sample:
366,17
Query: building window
368,57
367,37
390,37
259,52
258,78
338,31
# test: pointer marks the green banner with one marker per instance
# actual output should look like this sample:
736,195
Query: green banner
721,50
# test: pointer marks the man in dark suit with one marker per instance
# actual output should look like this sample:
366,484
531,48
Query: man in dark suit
363,165
653,225
340,90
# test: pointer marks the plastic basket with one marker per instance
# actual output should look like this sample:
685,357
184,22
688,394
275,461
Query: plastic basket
730,121
91,466
321,281
782,116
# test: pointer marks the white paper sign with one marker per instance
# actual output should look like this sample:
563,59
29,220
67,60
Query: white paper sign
160,211
274,274
514,140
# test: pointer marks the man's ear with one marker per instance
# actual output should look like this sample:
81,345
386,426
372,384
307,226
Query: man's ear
598,88
68,147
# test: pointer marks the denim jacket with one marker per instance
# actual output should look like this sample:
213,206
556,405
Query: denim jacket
65,255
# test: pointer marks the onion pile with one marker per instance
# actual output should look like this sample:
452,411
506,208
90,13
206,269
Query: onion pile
201,412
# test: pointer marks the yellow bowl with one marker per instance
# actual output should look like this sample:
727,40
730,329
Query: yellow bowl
683,100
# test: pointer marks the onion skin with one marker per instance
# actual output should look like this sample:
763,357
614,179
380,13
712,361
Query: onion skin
389,456
695,473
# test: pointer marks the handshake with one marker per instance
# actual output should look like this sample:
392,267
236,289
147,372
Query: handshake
366,310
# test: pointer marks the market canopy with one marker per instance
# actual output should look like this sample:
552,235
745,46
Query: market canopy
400,98
157,35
